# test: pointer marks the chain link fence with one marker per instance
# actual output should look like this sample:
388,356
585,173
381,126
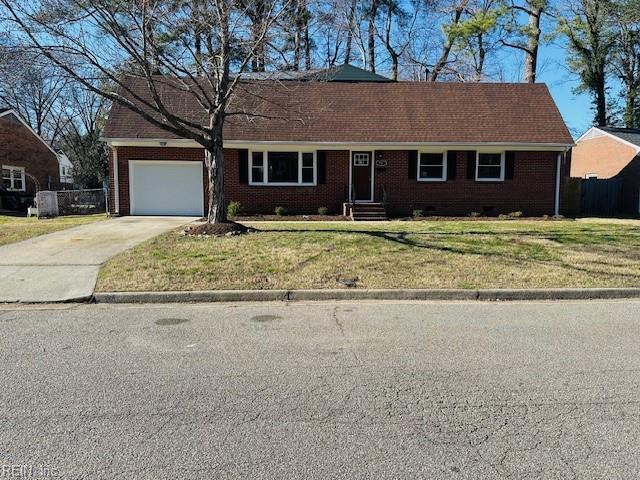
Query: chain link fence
81,202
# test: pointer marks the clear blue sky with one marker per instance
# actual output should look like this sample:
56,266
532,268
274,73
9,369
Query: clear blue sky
575,107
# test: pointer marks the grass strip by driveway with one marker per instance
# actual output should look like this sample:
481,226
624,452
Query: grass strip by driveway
16,229
430,254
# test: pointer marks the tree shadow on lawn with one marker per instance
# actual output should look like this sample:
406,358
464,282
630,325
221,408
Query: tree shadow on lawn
402,239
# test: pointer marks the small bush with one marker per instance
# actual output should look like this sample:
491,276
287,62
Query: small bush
281,211
323,211
517,214
418,213
475,214
234,208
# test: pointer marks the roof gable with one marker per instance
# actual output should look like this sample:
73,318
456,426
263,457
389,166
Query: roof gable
631,135
338,73
349,73
368,112
12,116
628,136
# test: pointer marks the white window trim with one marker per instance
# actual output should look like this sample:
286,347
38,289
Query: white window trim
444,169
265,169
502,167
12,168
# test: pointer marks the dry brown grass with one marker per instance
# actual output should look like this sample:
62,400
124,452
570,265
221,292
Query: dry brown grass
430,254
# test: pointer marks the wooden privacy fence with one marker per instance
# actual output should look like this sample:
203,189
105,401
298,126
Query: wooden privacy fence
601,197
593,197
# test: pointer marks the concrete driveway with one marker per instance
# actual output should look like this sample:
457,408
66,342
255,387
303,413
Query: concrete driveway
64,265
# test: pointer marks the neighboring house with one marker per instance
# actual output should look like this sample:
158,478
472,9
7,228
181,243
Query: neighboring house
611,153
444,148
28,162
338,73
66,171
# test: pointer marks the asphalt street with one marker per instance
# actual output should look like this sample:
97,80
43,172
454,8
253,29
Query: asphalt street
381,390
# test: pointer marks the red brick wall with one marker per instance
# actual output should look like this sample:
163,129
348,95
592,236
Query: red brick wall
20,148
532,190
299,200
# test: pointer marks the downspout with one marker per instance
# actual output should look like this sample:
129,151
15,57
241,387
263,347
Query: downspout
556,210
116,182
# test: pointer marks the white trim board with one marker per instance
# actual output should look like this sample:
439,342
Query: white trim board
293,145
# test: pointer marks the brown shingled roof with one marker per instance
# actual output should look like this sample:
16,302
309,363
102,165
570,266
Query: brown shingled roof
399,112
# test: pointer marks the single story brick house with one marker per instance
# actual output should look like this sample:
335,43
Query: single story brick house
28,162
444,148
611,153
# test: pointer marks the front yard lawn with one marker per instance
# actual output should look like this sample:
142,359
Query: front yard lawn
430,254
15,229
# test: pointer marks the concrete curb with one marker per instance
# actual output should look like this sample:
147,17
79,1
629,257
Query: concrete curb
356,294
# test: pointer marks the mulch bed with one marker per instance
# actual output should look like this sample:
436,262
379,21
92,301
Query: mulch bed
216,229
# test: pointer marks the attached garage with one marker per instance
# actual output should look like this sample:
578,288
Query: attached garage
166,188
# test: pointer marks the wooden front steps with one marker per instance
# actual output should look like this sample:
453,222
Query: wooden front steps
368,212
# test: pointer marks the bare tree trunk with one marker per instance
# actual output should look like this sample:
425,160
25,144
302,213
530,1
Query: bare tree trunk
214,160
350,28
394,66
448,45
601,99
371,31
307,47
630,109
627,62
481,58
533,43
257,18
386,39
297,48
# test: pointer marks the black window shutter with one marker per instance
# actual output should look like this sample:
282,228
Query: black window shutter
321,158
509,164
413,164
452,161
243,165
471,165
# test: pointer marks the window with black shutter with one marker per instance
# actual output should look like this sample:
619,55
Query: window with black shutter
243,166
282,168
452,164
413,164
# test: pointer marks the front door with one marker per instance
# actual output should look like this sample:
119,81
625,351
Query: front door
361,171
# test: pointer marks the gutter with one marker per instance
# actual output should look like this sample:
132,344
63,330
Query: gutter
116,182
181,142
556,210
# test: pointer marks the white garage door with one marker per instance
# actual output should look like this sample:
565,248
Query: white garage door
165,188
